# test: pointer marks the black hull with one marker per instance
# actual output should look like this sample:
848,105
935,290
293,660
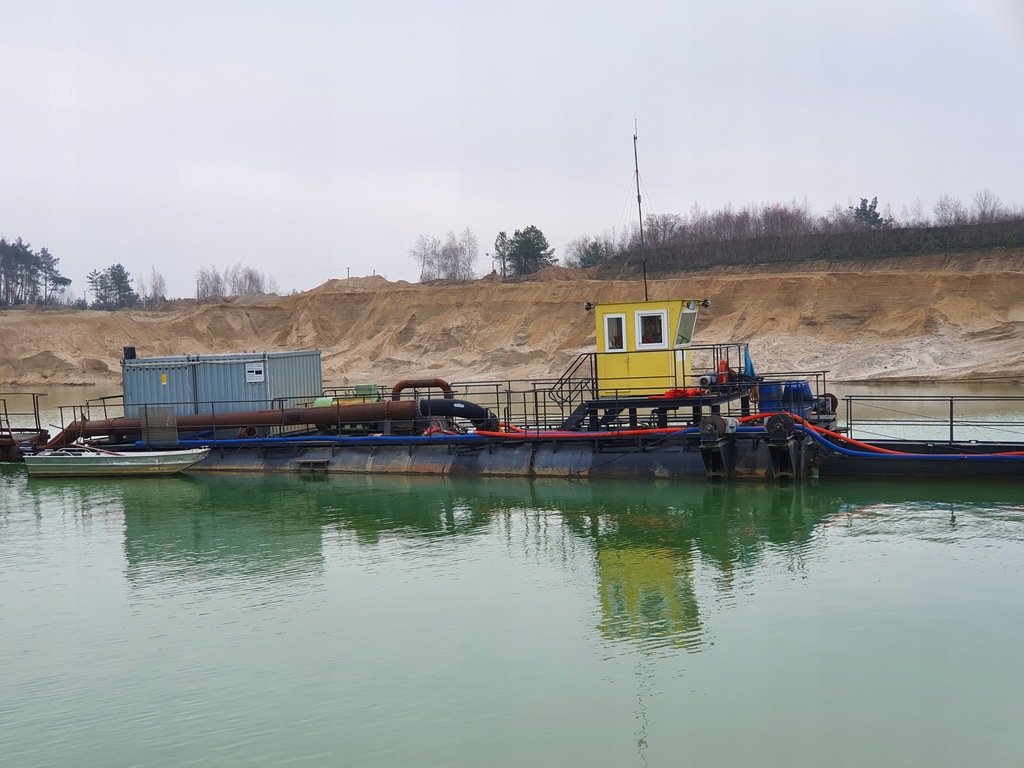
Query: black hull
496,457
733,458
922,460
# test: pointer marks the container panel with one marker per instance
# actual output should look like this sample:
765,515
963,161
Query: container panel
294,378
164,383
229,385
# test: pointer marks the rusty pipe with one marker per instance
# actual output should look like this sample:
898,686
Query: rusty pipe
441,384
327,414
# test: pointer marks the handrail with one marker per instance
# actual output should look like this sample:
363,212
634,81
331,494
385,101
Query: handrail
6,426
935,411
565,383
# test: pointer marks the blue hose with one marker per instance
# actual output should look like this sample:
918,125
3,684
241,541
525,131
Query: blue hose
900,456
329,441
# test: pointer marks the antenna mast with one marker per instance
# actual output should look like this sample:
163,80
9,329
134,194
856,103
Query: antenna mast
640,211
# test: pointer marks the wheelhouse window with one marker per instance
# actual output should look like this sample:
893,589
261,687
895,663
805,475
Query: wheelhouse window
650,329
614,333
684,330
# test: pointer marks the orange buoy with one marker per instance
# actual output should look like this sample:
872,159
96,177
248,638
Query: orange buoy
723,371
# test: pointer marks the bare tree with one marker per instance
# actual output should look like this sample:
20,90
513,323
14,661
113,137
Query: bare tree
987,207
664,228
209,282
452,259
838,219
699,223
157,291
460,255
238,280
780,219
427,252
949,212
242,281
913,216
157,286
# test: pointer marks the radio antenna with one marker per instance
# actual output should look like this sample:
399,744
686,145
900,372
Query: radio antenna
640,211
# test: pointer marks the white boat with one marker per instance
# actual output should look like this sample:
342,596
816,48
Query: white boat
86,461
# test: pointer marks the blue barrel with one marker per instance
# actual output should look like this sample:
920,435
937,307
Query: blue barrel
798,391
797,397
771,396
793,396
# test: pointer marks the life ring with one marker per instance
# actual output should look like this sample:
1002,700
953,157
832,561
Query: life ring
723,371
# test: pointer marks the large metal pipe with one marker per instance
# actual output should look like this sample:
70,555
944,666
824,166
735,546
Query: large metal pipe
441,384
480,417
360,413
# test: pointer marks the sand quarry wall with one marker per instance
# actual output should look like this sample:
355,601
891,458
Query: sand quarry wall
935,318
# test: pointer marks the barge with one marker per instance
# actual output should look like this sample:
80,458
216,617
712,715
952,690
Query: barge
648,403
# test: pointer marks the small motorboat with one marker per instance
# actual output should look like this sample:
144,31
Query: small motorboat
89,461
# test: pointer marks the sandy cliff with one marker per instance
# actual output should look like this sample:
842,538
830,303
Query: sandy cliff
924,318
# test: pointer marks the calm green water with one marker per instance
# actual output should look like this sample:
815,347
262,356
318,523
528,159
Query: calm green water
259,620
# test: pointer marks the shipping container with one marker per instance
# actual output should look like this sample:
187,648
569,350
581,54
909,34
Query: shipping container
200,384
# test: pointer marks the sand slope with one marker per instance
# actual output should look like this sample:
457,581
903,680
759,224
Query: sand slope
942,317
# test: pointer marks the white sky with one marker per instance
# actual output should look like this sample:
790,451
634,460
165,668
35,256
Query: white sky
313,139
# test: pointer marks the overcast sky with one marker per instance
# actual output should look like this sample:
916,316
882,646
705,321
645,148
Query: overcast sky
313,140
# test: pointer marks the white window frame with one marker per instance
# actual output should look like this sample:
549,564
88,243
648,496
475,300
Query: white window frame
607,335
662,315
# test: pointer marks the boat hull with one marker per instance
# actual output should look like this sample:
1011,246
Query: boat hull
64,463
732,458
922,460
470,456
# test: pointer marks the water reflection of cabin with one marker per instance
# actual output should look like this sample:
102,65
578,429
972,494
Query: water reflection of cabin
644,345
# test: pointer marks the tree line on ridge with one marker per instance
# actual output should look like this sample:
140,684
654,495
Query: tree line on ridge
756,234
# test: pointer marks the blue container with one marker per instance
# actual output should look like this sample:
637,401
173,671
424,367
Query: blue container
771,396
792,396
798,391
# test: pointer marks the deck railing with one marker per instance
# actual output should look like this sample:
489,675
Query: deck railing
19,413
934,418
20,410
529,404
